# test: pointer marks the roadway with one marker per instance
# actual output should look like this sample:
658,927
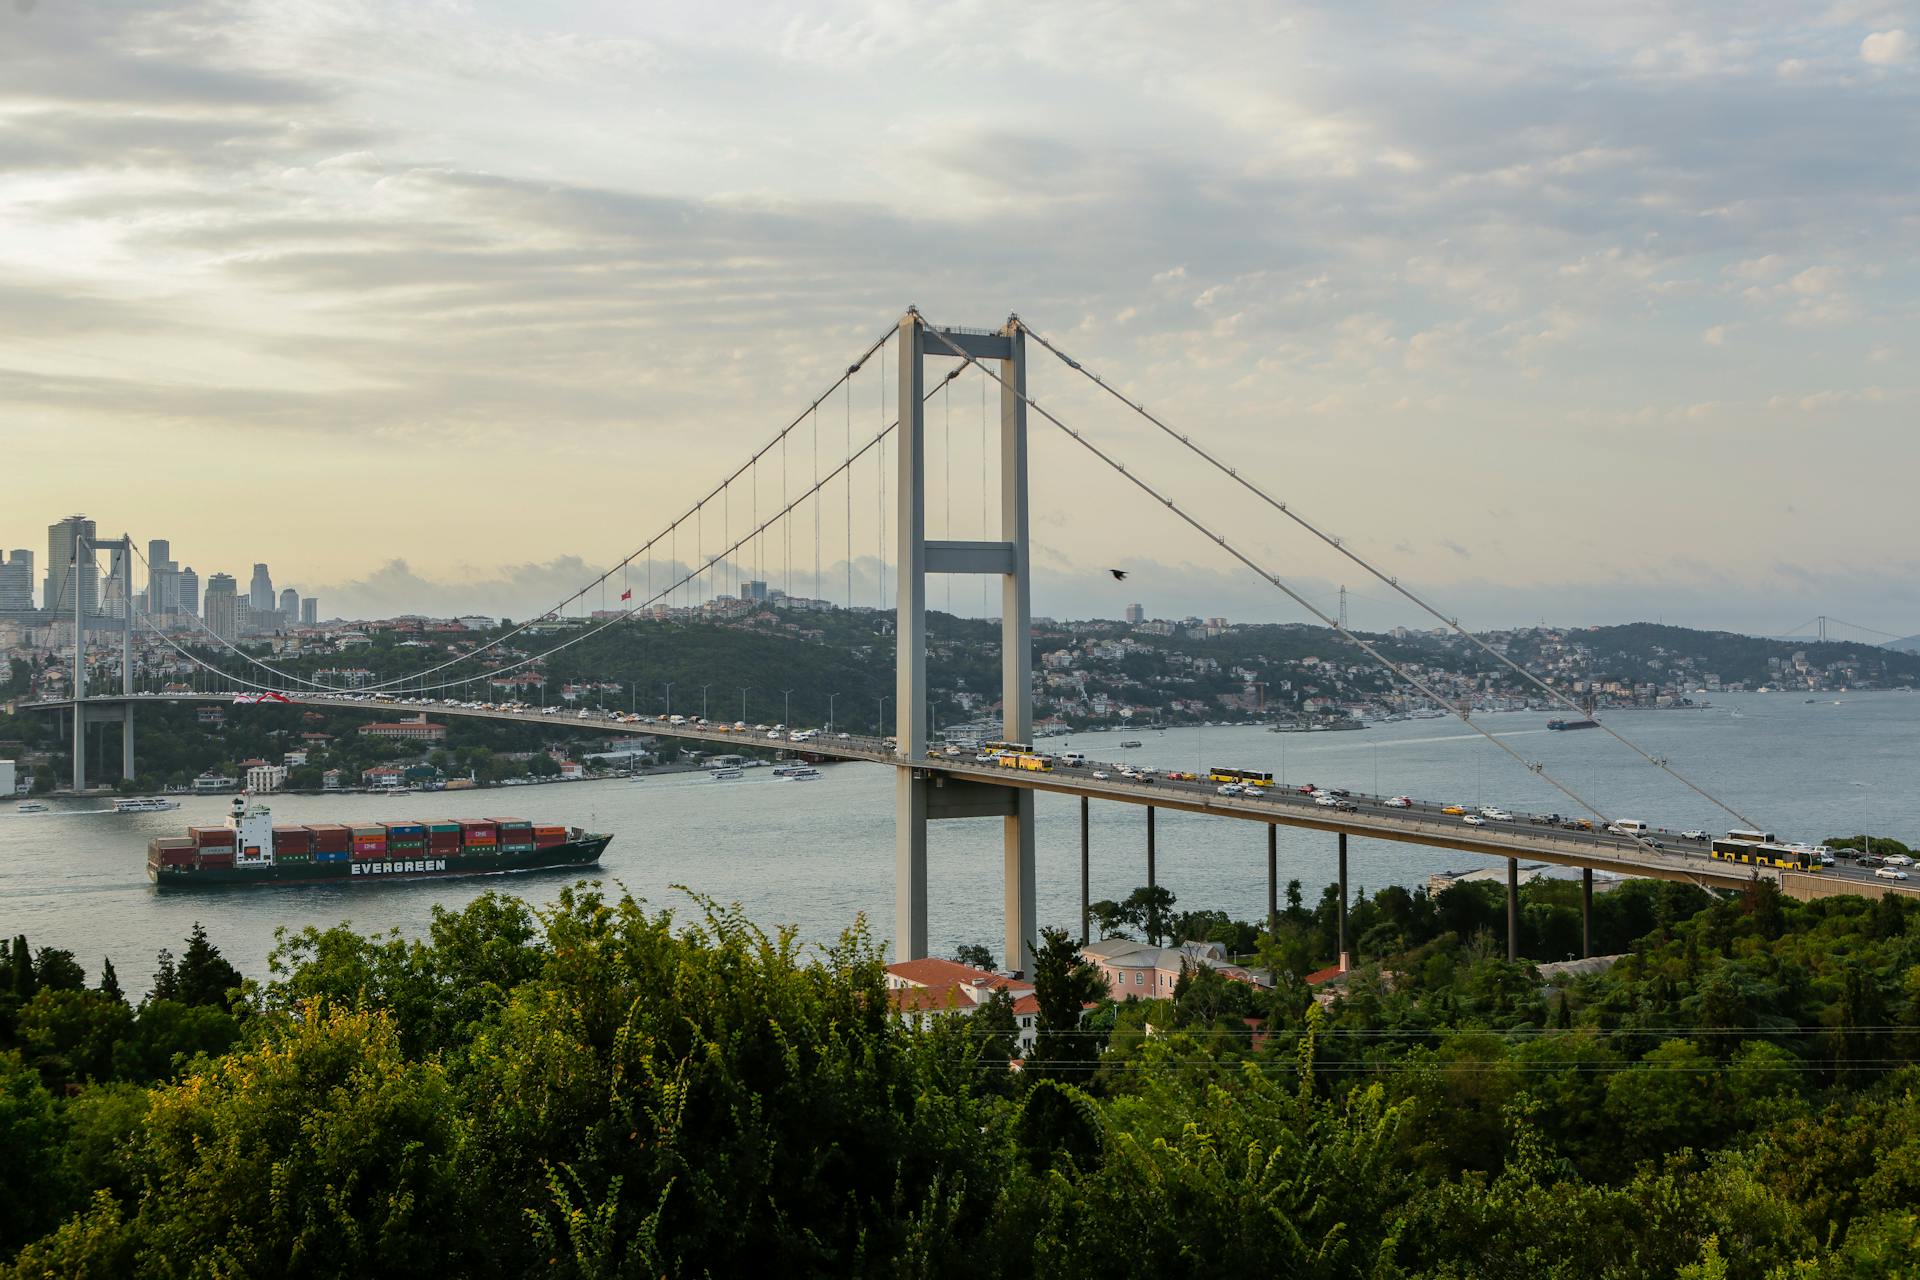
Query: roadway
1525,837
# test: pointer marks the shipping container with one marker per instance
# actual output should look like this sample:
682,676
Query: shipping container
292,840
211,837
216,858
330,856
408,830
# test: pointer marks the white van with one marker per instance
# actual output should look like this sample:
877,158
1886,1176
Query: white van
1629,827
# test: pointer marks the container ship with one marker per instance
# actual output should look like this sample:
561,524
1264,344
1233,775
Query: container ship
250,849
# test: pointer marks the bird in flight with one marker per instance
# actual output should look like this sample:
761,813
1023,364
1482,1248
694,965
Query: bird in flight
1119,575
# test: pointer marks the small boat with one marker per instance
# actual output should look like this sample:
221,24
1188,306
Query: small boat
1562,725
802,775
145,804
31,806
728,775
1130,742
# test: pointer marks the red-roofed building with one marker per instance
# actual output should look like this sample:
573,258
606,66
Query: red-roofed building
933,987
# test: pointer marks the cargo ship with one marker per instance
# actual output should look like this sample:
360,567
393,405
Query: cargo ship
1573,724
249,849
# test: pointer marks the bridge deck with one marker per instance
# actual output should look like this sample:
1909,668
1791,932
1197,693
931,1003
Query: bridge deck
1423,824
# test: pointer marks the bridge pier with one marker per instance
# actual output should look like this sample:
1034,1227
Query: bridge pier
1150,869
1273,877
1342,934
1586,913
1513,908
1086,910
910,866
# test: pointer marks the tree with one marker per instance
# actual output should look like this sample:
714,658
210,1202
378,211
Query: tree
1064,984
21,965
110,982
996,1028
976,955
166,979
205,976
30,1136
56,970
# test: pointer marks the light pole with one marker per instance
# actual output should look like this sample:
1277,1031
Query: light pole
743,702
669,699
880,715
786,706
703,700
830,698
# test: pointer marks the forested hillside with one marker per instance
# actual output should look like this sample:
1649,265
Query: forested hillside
603,1089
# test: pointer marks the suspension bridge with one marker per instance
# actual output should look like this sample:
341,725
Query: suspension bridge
729,529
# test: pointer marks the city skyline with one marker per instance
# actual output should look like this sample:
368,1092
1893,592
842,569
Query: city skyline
1520,345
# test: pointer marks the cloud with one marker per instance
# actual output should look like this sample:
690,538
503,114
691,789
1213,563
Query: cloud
1886,48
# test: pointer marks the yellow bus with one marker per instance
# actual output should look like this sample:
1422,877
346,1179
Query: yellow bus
1756,854
1009,748
1026,760
1245,777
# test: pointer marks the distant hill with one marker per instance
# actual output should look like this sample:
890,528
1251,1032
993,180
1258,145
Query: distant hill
1911,644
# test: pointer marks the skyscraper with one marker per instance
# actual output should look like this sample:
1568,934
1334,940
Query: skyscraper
187,593
223,596
16,582
1136,614
163,579
310,611
289,606
260,592
60,547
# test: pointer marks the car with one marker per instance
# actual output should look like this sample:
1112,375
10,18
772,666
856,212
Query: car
1898,860
1326,801
1100,775
953,751
1698,837
773,733
1454,809
1868,860
1493,814
1400,802
1307,788
843,736
1890,873
1346,806
988,757
1473,820
1229,789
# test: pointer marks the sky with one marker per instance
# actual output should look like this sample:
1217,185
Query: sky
1575,314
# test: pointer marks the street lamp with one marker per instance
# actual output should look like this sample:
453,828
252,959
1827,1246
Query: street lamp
743,702
830,698
703,700
880,715
787,706
669,698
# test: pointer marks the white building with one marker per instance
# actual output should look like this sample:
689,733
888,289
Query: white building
8,782
262,778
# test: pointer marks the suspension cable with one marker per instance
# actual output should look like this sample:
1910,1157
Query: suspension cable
1453,624
1532,766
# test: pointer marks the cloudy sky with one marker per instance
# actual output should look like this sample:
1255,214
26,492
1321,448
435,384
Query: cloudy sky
1580,312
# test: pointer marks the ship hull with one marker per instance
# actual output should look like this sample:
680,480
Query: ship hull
572,855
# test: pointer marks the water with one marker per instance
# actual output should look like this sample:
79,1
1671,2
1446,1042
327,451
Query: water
817,854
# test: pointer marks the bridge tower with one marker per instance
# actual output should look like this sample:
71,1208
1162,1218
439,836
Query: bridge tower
920,798
120,573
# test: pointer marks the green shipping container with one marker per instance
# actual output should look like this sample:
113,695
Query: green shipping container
516,848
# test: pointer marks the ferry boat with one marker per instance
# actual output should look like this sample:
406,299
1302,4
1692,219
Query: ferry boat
250,849
802,775
728,775
145,804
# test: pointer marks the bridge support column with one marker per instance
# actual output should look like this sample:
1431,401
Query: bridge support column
1513,908
1342,934
1086,910
1021,894
909,866
1151,881
1273,877
126,741
1586,913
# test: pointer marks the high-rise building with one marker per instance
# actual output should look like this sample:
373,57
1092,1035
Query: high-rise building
260,591
60,552
223,599
289,606
163,578
1136,614
186,596
310,611
16,582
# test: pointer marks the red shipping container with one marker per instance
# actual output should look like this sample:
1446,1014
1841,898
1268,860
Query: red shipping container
215,858
211,837
330,837
176,857
292,840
